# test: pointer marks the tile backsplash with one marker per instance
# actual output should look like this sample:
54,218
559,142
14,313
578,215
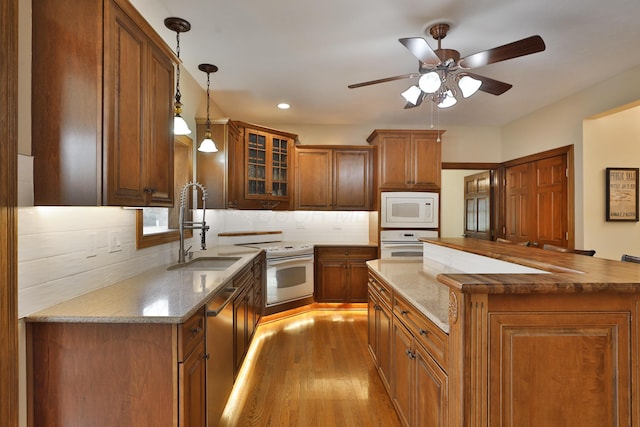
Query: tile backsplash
64,252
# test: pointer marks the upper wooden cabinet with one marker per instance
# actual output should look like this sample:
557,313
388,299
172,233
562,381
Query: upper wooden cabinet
102,89
214,170
261,168
408,159
334,178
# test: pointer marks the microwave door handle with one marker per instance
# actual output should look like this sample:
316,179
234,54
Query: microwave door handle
273,262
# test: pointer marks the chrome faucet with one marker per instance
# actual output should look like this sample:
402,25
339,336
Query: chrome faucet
192,225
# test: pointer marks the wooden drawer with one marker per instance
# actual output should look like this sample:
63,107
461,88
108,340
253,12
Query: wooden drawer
358,252
383,290
190,334
423,329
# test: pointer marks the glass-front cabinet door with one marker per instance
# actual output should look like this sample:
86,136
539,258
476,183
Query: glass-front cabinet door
267,167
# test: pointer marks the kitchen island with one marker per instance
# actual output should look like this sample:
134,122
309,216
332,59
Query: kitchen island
545,339
134,353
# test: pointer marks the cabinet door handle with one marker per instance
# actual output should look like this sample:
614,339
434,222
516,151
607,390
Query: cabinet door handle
149,190
410,354
195,331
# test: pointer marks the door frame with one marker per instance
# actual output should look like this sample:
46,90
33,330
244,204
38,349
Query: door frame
8,212
498,185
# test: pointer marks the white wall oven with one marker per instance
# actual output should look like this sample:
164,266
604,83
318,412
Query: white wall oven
289,265
400,244
409,209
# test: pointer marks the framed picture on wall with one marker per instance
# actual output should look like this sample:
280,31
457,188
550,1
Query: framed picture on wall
622,194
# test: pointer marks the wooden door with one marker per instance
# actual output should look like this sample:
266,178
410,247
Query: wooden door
551,201
373,304
352,179
313,178
477,205
537,202
518,210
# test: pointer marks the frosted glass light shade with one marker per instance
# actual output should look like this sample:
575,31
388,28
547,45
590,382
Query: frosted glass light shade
468,85
180,126
448,101
412,94
207,145
430,82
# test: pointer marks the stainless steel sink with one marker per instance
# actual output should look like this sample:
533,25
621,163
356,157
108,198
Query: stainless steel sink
206,264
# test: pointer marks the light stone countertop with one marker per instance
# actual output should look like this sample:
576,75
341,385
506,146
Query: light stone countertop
155,296
416,281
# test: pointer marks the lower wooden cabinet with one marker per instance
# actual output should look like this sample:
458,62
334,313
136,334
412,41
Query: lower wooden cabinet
419,385
409,352
380,335
117,374
341,273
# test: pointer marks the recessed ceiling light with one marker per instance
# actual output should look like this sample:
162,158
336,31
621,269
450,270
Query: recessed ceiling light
284,106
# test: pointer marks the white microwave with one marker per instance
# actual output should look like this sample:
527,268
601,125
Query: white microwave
409,209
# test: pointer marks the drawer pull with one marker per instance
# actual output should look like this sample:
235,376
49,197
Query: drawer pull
404,312
195,331
424,332
410,354
382,290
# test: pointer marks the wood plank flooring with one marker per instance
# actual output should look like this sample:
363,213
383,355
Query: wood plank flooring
312,369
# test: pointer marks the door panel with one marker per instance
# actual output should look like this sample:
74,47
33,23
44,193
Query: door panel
551,195
477,201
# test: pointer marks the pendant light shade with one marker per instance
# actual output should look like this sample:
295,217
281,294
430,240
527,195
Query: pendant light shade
430,82
412,94
207,145
178,25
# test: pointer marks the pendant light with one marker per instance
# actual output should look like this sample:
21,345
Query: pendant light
178,25
207,145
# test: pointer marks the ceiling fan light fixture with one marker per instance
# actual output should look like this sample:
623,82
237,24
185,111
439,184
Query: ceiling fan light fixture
448,101
468,85
430,82
412,94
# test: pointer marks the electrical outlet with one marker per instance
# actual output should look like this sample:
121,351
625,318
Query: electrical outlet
115,243
91,245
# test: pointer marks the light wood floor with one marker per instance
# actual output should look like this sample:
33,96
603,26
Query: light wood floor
312,369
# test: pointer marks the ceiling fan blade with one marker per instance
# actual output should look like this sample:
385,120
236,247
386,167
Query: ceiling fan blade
386,79
421,50
518,48
494,87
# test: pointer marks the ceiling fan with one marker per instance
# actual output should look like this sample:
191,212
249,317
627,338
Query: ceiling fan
443,74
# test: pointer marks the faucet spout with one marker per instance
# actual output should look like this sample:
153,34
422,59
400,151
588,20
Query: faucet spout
192,225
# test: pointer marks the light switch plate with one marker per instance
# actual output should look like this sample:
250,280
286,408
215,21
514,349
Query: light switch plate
115,243
91,245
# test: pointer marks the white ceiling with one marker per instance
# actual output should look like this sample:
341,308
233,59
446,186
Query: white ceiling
306,52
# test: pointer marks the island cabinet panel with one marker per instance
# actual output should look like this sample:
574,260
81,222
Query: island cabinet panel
102,106
560,369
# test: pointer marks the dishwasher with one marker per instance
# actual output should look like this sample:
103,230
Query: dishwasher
219,343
